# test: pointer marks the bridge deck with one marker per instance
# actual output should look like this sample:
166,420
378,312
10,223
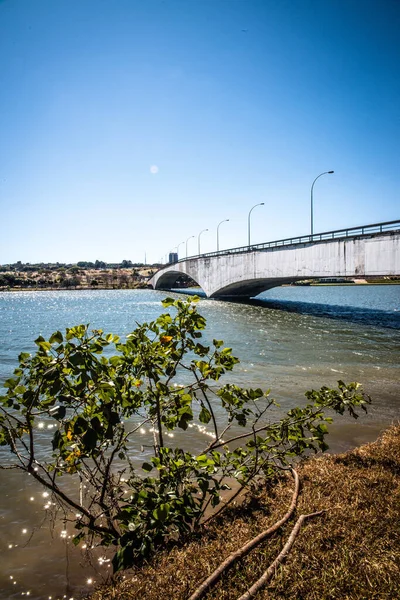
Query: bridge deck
366,251
337,234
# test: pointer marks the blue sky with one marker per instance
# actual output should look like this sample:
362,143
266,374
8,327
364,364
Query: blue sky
127,126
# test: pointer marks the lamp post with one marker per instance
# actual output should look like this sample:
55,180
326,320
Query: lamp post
312,203
177,248
248,219
224,221
198,239
189,238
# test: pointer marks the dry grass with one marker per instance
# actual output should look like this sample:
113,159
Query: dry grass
352,552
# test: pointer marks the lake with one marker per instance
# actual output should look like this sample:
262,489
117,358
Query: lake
290,339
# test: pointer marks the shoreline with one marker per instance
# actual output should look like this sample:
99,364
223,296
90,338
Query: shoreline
144,286
350,551
77,289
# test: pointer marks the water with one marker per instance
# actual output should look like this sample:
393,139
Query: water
290,340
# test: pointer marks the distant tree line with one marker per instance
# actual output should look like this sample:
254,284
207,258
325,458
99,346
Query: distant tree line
74,277
10,280
83,264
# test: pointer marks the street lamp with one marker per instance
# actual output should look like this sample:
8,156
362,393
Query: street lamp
224,221
177,248
248,219
189,238
312,205
198,239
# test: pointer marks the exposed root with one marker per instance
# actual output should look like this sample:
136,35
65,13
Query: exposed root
270,572
211,580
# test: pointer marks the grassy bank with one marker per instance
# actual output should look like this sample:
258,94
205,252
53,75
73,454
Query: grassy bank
351,551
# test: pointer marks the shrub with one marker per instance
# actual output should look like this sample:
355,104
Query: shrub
99,403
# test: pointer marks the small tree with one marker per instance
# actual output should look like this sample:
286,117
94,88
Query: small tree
99,404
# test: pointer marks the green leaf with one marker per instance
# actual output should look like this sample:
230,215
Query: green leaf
56,337
226,351
89,439
46,346
205,415
80,536
147,466
162,512
116,360
123,558
80,425
11,383
204,484
59,413
58,440
20,389
202,459
168,302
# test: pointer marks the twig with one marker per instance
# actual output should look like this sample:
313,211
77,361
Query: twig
242,486
108,467
270,572
217,436
220,439
238,437
210,581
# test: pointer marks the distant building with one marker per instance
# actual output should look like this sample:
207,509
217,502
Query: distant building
173,257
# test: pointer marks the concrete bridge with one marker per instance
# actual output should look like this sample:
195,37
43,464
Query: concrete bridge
367,251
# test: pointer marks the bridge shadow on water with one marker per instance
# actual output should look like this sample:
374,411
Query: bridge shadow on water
355,314
366,316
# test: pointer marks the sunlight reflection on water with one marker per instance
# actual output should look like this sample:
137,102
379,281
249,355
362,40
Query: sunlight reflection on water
284,347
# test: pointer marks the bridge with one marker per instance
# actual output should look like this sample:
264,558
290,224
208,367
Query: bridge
366,251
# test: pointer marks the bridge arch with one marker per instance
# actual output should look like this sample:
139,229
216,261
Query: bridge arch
168,279
227,288
251,288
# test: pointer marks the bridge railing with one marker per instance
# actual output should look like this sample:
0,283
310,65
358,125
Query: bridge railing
305,239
